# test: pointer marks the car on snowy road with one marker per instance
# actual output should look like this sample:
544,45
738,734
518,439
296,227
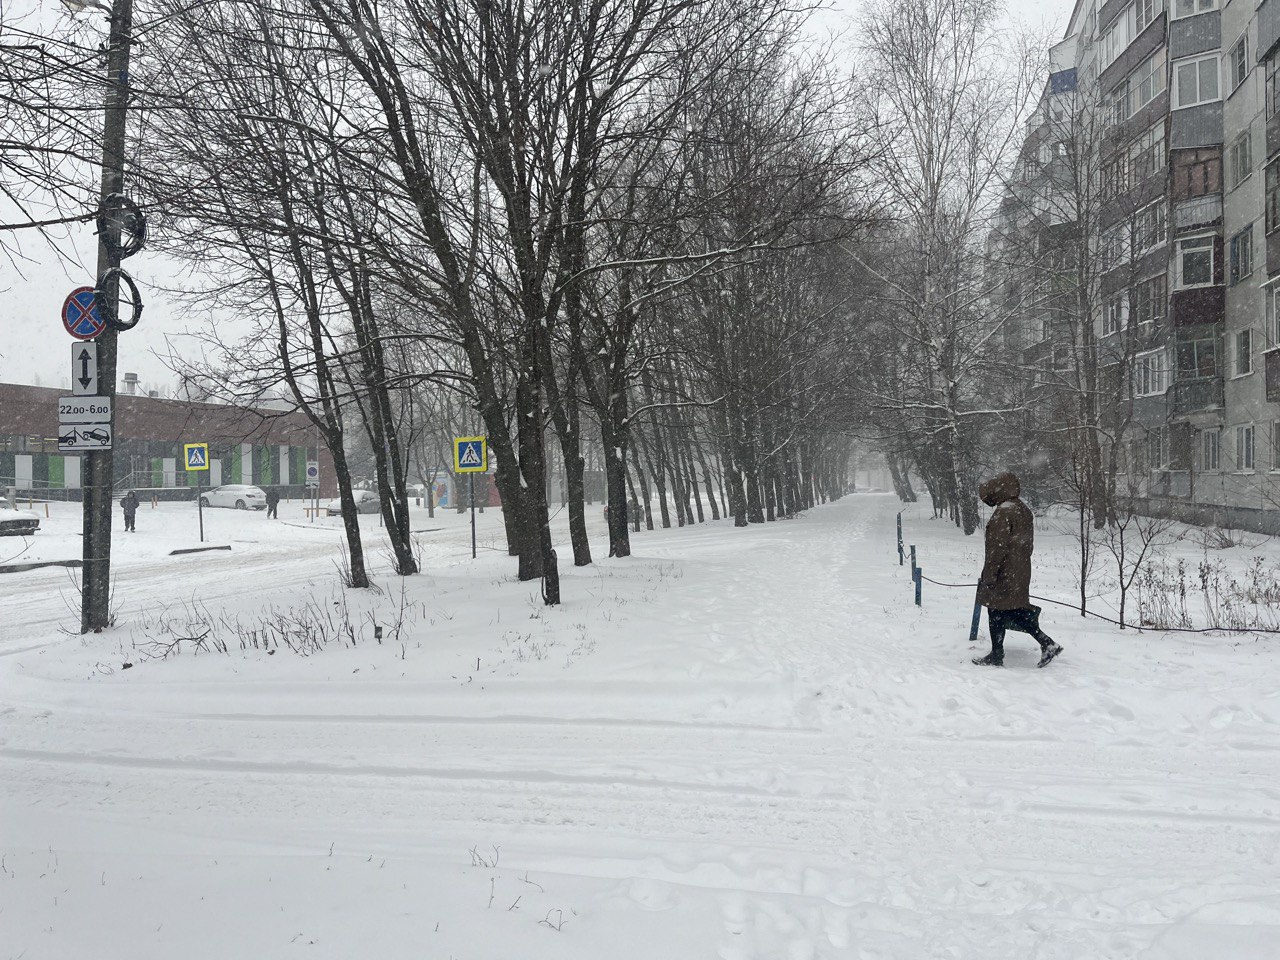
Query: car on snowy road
15,522
366,502
240,496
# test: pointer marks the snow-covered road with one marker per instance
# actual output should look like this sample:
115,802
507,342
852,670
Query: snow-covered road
738,744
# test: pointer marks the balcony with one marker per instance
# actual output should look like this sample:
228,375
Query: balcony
1192,396
1201,305
1200,212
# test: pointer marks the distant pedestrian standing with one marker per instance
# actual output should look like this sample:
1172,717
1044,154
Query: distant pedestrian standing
129,503
273,501
1004,585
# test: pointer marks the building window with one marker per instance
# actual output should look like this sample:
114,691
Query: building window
1115,246
1158,449
1198,359
1148,154
1275,445
1116,38
1115,176
1114,314
1271,197
1240,254
1208,449
1240,159
1148,374
1144,12
1189,8
1238,61
1197,173
1273,316
1195,262
1244,353
1149,228
1195,81
1139,88
1147,82
1244,447
1149,296
1271,92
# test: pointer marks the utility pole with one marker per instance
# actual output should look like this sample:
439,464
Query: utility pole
96,594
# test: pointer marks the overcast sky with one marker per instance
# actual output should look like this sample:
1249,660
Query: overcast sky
35,349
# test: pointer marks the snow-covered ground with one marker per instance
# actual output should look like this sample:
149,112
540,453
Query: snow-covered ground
737,744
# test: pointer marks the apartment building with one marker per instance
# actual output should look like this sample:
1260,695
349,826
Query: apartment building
1167,111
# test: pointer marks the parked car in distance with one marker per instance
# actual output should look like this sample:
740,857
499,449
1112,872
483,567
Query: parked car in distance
241,496
366,502
15,522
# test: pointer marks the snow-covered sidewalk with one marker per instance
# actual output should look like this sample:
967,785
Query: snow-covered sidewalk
737,744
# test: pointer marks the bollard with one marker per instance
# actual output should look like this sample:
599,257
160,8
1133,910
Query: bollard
973,625
46,509
913,561
918,576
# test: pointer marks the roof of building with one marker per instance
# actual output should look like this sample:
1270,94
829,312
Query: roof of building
33,411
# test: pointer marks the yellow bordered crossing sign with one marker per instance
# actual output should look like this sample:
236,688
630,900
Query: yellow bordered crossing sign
470,455
196,455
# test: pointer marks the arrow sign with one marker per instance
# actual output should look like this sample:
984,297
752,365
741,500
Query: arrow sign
84,369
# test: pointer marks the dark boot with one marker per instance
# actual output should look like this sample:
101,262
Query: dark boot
995,626
1048,650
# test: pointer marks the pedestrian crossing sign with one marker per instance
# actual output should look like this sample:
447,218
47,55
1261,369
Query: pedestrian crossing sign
196,455
470,455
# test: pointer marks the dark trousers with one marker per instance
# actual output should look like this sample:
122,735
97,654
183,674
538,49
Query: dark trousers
128,520
1023,620
271,509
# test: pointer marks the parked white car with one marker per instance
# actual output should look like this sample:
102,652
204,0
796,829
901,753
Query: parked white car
240,496
15,522
366,502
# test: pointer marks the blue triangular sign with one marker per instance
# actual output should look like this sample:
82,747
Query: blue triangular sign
195,457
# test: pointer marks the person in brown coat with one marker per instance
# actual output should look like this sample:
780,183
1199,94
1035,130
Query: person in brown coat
1006,573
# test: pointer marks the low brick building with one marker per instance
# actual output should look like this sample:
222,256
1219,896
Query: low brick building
261,446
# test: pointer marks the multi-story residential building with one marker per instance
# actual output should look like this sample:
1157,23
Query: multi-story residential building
1175,136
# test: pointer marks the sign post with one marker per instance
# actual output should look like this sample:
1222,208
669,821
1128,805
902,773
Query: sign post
471,456
196,456
313,485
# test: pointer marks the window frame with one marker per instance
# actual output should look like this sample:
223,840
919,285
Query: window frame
1242,353
1178,254
1201,6
1241,60
1271,197
1275,446
1199,59
1158,304
1149,378
1241,241
1240,159
1245,464
1203,447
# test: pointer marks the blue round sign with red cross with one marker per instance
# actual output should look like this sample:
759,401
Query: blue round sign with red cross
81,316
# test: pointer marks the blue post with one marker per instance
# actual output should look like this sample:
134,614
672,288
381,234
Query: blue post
913,561
899,539
918,576
977,617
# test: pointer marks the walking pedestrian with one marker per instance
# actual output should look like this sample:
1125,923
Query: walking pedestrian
129,503
1004,585
273,501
